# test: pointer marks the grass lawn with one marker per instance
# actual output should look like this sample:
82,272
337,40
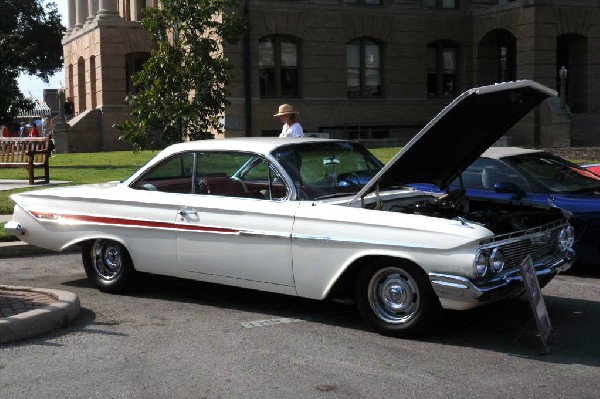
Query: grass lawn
79,169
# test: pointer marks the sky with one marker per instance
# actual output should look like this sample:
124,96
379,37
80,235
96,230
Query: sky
31,84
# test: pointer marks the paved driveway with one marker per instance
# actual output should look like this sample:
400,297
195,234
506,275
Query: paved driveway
174,338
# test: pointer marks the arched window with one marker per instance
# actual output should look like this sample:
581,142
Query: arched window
572,52
133,64
93,82
497,57
364,76
278,66
442,70
70,82
80,85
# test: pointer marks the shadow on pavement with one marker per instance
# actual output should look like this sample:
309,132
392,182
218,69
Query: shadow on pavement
506,327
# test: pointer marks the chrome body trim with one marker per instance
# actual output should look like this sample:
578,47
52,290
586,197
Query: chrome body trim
311,237
14,228
536,232
268,234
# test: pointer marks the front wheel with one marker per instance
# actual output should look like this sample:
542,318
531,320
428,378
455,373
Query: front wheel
396,300
107,265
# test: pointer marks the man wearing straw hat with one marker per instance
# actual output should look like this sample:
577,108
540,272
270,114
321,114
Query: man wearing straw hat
291,128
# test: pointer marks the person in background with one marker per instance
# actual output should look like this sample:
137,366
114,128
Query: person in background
69,108
45,126
22,129
291,128
34,132
5,131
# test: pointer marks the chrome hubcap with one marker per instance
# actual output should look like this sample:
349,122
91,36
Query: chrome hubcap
393,295
106,259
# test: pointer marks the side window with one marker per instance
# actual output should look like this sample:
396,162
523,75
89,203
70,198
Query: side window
259,173
173,175
237,174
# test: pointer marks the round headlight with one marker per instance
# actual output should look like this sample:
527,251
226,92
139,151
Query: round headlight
496,261
480,264
566,237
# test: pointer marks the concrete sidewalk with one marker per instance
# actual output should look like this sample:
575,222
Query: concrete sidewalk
6,184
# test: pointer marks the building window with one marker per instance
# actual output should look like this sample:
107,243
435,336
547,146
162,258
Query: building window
134,62
93,81
442,70
439,3
80,85
366,2
364,69
278,66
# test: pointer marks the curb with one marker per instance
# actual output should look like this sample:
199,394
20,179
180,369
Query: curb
39,321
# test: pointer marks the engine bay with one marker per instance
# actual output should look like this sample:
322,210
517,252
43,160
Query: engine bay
500,217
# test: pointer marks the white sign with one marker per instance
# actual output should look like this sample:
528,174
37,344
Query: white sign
536,300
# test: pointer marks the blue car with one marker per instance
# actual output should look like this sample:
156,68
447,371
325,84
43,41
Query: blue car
536,177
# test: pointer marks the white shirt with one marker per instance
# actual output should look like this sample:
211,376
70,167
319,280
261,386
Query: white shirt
292,131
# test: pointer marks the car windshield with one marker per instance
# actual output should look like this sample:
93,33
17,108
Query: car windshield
556,174
327,169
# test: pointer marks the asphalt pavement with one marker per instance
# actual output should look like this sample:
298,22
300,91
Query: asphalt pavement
27,312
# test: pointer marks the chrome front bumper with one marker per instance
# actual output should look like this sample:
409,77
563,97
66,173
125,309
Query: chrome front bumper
14,228
508,285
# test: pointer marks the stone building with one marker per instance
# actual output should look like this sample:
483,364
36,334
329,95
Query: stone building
374,70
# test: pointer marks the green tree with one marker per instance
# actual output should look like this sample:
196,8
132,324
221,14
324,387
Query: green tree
181,90
30,42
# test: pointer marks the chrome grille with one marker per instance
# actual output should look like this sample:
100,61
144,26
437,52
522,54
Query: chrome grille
539,242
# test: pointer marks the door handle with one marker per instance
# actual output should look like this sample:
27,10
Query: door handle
183,213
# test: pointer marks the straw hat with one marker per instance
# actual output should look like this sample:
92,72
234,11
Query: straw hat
286,109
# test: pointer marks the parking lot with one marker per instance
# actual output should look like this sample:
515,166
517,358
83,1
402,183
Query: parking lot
173,338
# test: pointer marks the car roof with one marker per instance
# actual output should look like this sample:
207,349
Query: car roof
261,145
503,152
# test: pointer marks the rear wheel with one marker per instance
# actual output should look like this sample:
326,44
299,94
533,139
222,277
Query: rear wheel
396,299
108,265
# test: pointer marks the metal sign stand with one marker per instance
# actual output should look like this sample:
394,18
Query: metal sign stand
538,306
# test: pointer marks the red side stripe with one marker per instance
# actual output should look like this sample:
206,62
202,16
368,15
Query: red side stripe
133,223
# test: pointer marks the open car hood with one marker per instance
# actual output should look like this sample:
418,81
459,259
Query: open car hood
459,134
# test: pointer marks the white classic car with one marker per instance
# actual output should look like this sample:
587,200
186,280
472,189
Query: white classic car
317,218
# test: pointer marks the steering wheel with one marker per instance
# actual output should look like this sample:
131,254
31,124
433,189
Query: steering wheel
244,186
345,177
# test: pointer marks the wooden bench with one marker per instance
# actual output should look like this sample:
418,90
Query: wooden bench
28,153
